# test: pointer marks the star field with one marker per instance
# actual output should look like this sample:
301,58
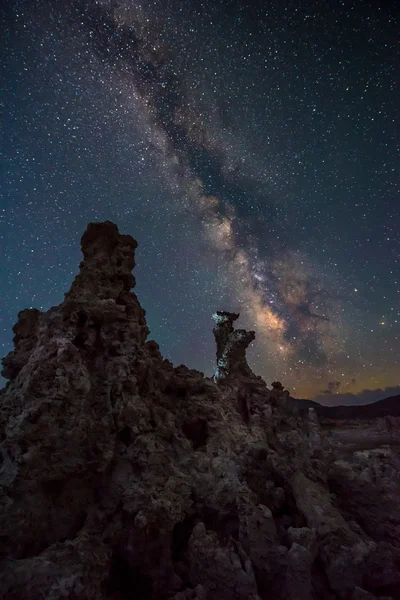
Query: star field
250,148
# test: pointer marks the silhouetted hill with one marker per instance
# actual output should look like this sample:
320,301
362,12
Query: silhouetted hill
382,408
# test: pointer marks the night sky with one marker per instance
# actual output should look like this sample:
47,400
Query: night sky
250,148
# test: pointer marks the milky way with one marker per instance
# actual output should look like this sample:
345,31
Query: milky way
250,148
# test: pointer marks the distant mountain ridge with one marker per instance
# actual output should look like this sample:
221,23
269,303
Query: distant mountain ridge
387,407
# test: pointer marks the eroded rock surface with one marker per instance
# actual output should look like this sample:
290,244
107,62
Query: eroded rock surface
125,477
231,347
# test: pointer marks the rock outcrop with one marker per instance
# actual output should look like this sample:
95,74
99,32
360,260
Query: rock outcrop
125,477
231,347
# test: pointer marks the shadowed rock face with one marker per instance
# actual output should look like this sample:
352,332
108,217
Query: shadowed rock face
106,269
122,476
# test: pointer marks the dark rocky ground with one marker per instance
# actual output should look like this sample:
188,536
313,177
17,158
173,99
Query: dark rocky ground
123,477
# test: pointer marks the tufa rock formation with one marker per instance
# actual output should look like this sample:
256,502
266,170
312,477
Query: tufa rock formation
231,347
124,477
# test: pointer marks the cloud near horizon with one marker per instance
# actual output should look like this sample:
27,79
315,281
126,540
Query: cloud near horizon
363,397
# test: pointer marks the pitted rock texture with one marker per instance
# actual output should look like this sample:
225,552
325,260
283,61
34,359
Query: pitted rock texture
231,346
125,477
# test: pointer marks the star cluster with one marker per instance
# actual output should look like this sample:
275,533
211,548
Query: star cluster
251,150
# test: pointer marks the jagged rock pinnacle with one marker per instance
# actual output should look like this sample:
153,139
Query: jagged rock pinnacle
99,298
108,260
231,347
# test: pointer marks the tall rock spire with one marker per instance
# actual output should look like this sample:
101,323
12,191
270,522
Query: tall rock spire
108,260
231,347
